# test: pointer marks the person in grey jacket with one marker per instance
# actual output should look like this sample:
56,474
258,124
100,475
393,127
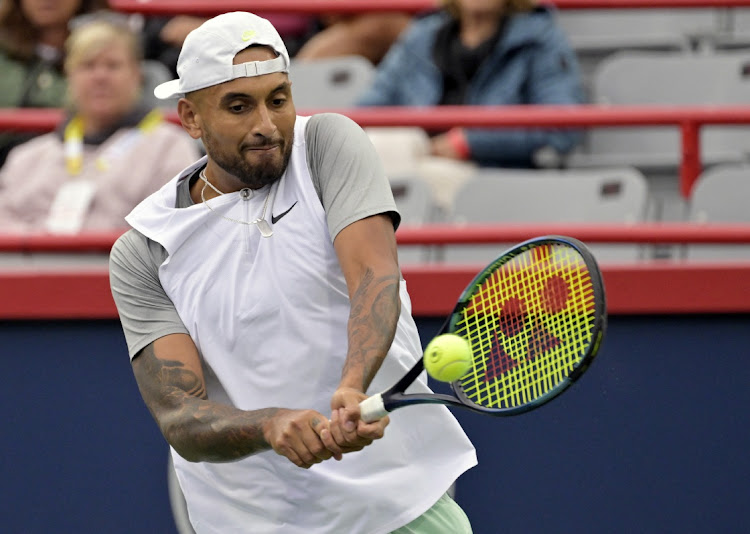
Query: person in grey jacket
484,52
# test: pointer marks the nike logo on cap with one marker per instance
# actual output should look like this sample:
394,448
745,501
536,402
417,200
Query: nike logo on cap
275,218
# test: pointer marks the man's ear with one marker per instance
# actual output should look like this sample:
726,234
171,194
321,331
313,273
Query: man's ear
190,118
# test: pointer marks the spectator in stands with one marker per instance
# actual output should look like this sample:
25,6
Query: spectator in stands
32,36
369,35
484,52
110,152
163,36
307,37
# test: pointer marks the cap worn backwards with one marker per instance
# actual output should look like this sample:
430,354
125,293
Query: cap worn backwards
207,55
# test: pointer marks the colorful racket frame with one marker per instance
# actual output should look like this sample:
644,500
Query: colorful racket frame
535,318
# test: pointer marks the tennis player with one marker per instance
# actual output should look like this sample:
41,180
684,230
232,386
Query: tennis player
261,300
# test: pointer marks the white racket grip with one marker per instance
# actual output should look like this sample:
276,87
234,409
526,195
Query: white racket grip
372,408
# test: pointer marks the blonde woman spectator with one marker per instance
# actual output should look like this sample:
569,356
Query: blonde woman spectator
32,37
108,154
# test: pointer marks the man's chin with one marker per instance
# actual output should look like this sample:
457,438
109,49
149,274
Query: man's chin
262,176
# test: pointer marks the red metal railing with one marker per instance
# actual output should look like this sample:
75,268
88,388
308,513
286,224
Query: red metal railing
689,119
212,7
651,287
442,234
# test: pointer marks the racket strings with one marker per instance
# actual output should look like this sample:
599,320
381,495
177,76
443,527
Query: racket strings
529,323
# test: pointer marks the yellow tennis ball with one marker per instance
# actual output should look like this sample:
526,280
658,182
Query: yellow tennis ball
448,357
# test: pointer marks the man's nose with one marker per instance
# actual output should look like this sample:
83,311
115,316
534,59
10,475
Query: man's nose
264,124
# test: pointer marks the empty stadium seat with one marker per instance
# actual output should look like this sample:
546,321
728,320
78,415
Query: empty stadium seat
735,29
595,34
721,194
334,83
417,206
155,73
662,78
615,195
609,30
405,151
644,78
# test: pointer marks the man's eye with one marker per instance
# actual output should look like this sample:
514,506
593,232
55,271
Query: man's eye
236,108
278,101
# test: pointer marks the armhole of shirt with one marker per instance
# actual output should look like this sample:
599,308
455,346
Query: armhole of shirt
346,172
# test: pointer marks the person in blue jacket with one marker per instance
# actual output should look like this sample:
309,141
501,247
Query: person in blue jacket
485,52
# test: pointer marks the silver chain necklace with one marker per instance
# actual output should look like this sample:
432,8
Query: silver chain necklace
263,227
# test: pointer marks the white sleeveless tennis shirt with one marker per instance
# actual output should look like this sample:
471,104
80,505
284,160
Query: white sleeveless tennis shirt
269,317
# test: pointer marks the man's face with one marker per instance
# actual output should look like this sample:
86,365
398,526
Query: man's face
248,124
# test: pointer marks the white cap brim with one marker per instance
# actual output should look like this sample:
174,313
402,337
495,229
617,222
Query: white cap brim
167,90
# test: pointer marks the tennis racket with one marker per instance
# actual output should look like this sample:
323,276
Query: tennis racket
535,318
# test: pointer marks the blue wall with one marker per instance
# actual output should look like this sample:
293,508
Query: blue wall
655,438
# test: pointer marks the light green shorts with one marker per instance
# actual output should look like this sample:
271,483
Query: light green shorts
445,517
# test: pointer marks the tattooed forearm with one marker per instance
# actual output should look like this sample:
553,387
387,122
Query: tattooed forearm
200,430
375,307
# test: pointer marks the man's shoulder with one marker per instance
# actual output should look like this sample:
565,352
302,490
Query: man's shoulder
134,247
330,120
328,130
129,244
323,129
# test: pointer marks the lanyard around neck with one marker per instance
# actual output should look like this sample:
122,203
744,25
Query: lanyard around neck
73,140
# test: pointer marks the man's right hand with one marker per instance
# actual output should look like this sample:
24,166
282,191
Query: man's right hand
302,436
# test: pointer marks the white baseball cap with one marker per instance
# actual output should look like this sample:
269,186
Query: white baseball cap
208,52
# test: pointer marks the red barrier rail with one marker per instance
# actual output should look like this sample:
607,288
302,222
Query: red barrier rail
661,233
689,119
441,234
649,288
656,287
43,243
212,7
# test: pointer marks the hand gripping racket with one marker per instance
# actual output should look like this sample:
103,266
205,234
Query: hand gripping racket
535,318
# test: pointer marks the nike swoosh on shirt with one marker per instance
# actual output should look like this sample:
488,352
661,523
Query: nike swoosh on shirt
275,218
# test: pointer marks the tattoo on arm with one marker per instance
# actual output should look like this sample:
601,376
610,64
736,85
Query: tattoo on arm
200,430
169,374
375,307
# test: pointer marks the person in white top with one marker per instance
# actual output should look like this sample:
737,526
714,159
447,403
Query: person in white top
261,300
111,151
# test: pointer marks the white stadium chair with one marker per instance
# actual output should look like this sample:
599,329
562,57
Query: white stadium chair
334,83
614,195
721,194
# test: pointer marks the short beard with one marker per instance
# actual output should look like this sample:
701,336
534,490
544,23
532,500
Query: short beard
253,176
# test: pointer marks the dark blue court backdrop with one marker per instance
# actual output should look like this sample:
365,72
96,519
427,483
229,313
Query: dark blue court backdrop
655,438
